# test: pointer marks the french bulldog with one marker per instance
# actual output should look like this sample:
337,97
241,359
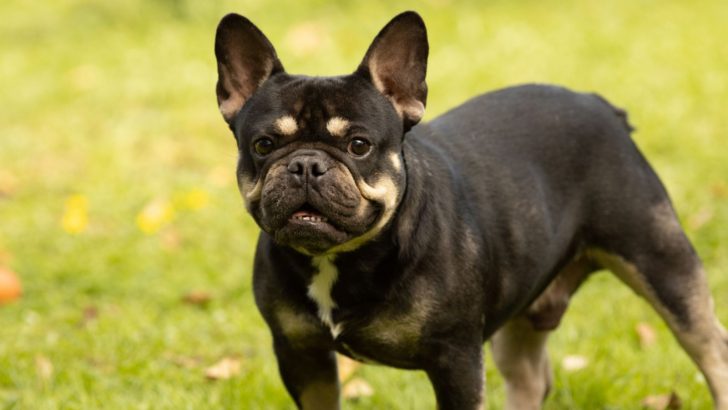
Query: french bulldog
410,245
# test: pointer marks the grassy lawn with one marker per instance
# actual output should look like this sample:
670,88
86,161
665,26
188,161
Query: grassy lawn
117,192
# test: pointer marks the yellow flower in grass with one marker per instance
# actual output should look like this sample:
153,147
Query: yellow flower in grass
155,215
75,215
196,199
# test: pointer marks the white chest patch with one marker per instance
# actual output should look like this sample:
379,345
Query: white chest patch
319,290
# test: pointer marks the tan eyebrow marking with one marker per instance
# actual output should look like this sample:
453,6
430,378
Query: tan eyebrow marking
286,125
337,126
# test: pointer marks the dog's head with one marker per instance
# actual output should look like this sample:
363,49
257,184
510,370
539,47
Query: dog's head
320,159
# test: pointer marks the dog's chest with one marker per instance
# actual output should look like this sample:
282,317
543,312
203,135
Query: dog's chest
386,333
319,290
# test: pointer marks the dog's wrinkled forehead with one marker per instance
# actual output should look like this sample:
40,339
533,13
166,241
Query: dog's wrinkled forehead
312,108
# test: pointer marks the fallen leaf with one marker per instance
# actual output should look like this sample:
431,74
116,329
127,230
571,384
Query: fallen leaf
10,287
196,199
90,313
171,239
573,363
719,189
75,214
221,176
197,298
357,388
346,367
43,367
700,218
187,362
663,402
224,369
155,214
646,335
305,38
8,183
101,365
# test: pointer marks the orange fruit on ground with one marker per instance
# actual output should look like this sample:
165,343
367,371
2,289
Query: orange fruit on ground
10,288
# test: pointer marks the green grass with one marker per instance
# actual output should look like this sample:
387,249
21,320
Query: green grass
115,101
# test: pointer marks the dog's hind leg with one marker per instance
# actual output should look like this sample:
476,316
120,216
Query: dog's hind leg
519,347
519,353
657,261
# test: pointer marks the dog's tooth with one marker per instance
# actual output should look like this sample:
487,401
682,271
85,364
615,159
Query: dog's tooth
311,218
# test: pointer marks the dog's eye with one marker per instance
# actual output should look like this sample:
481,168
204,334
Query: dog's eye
264,146
359,147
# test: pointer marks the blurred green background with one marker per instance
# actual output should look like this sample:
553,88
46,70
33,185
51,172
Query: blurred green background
119,211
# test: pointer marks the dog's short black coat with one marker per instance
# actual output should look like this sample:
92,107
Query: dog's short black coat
411,244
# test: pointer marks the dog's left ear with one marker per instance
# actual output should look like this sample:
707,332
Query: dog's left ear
396,63
245,59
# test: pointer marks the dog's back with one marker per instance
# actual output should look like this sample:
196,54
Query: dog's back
548,167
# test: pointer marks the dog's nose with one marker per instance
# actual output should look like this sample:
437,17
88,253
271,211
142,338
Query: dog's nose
308,165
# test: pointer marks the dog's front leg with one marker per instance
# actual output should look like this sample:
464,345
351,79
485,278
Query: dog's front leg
457,376
309,374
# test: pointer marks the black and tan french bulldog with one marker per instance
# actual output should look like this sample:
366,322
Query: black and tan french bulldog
411,244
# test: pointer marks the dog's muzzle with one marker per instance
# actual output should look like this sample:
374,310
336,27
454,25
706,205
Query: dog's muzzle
310,201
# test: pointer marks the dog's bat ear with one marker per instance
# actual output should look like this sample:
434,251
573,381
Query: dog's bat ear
245,59
396,63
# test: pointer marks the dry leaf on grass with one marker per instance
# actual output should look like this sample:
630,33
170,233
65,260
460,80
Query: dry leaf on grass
156,214
646,334
195,199
346,366
220,176
170,239
10,287
305,38
662,402
8,184
224,369
101,365
44,367
357,388
197,298
719,189
700,218
89,314
572,363
187,362
75,214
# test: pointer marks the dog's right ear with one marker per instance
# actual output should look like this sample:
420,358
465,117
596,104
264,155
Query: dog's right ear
245,59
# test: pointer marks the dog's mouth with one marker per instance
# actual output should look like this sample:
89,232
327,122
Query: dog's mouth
308,229
308,217
308,213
